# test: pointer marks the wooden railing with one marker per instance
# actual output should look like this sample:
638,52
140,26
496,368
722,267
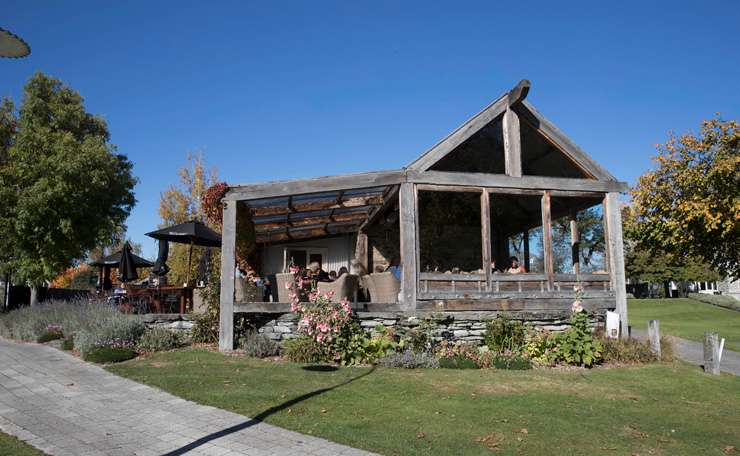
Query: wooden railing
430,282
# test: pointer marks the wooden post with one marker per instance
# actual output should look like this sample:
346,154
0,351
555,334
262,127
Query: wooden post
228,274
616,258
485,224
711,353
575,245
525,237
512,143
654,336
547,239
361,250
409,245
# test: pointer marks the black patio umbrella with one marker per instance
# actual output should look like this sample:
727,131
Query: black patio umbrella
160,266
114,259
192,232
127,266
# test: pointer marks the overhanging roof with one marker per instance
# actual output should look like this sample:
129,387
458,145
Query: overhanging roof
330,205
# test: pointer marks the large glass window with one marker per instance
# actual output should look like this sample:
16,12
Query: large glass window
516,233
578,240
450,232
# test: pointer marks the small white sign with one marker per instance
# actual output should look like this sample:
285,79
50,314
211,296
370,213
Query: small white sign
612,324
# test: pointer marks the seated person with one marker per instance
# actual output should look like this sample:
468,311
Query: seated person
317,273
266,290
332,275
515,267
395,267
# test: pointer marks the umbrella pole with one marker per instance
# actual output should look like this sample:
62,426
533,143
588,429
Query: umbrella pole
190,255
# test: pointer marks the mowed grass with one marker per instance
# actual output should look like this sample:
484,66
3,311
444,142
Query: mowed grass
661,409
11,446
687,318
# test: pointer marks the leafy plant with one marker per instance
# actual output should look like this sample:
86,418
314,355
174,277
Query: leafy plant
104,355
409,359
305,349
634,351
420,338
511,362
68,344
160,339
457,362
124,333
205,328
259,346
540,346
504,335
576,345
52,332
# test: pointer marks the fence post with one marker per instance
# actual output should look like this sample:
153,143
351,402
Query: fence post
654,336
711,353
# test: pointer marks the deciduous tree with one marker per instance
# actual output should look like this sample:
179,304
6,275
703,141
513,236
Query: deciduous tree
182,202
690,203
64,187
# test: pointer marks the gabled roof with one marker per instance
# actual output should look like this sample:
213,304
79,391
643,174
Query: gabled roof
513,99
293,209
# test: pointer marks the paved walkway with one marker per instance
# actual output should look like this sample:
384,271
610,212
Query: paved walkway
64,406
693,352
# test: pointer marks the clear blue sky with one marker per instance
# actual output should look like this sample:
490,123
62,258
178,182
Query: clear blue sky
276,90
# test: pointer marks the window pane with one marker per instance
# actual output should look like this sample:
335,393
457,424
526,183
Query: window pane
450,231
516,233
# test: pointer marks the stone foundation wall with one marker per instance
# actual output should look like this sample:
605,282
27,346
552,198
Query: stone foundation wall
173,322
468,327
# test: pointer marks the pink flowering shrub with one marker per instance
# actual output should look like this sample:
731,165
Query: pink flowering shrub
331,325
320,318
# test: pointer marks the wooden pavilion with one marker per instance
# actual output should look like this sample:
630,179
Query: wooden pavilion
491,189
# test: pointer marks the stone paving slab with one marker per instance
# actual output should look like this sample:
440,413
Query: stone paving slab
67,407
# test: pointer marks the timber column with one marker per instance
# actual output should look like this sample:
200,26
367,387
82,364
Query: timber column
228,272
615,243
409,245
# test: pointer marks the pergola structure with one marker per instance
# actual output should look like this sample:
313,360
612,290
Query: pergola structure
508,150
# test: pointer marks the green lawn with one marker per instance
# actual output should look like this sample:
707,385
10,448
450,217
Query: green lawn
664,409
11,446
687,318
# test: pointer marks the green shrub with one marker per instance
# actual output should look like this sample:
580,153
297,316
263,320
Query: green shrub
728,302
457,362
52,332
409,359
304,349
511,362
259,346
420,339
540,346
205,328
68,344
353,346
114,333
160,339
103,355
576,345
634,351
504,335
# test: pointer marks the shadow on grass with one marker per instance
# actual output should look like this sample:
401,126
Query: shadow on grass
263,415
320,368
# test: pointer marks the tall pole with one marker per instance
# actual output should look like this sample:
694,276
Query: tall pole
190,255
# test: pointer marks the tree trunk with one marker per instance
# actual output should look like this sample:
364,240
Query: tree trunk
34,295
